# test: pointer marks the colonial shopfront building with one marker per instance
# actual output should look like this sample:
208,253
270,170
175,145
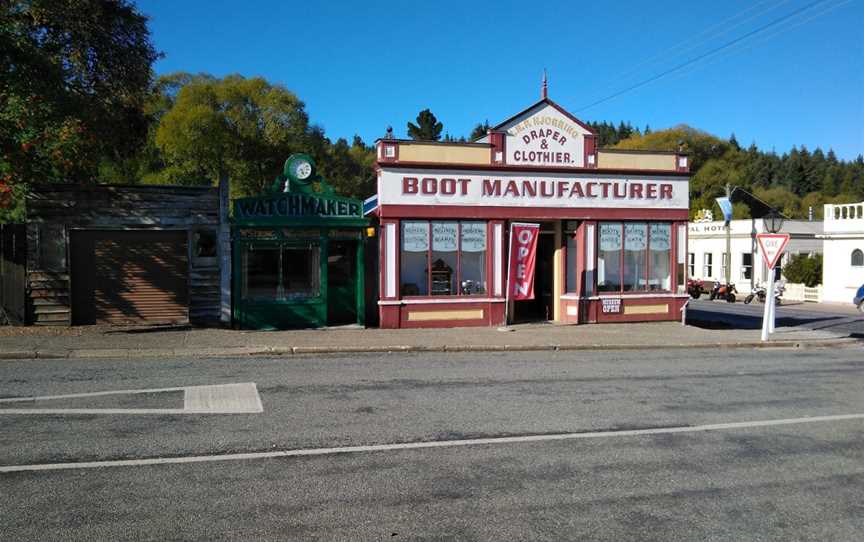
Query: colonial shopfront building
613,226
298,254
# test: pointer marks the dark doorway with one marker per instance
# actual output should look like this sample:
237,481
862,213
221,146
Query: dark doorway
129,277
541,307
342,283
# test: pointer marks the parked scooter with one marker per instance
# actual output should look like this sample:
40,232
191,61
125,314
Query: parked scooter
760,293
695,287
724,291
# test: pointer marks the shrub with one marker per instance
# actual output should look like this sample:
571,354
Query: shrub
804,269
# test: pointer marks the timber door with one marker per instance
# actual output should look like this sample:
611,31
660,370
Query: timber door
129,277
342,283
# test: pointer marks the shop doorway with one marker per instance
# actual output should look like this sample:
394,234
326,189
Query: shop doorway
541,308
342,283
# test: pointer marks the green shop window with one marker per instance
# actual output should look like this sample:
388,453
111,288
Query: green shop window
281,271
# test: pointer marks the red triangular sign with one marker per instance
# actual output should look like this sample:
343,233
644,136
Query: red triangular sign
771,246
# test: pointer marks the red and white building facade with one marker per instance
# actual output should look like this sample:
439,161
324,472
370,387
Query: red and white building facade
613,226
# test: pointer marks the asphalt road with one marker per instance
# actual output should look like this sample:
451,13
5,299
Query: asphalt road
757,482
840,319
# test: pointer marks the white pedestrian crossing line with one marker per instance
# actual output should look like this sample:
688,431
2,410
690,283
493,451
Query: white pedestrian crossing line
241,398
425,445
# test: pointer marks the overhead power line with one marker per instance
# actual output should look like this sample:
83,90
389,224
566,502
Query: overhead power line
787,26
696,59
725,26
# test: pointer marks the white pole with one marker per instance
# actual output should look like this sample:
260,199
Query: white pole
507,280
767,315
773,306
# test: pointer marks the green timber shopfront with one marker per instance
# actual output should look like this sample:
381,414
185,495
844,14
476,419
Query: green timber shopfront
298,254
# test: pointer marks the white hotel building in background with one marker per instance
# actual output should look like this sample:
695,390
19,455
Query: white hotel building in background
706,250
843,263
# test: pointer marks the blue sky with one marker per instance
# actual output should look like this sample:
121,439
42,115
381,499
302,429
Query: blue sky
361,66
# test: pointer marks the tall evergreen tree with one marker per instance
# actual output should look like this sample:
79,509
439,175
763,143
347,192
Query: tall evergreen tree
427,128
479,131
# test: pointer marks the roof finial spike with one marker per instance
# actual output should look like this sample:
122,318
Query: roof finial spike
544,93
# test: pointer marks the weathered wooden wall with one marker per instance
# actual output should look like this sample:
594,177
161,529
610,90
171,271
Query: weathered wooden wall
13,272
115,207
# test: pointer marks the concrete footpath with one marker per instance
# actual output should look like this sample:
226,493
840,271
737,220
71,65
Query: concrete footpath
137,342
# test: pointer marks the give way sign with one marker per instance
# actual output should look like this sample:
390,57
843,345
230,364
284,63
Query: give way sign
771,245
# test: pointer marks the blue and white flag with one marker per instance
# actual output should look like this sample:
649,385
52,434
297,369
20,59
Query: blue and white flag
726,207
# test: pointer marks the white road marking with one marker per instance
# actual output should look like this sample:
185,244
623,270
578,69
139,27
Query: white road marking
240,398
423,445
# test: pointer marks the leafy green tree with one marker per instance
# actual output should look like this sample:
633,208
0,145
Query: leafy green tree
427,128
75,75
241,127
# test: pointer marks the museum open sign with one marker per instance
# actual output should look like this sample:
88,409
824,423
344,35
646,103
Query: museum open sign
298,205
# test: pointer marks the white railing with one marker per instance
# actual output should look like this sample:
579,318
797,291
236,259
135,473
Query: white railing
799,292
813,295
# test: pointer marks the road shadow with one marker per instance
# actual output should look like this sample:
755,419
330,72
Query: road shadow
718,320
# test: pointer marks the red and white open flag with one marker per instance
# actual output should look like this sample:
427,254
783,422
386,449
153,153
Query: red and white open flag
523,256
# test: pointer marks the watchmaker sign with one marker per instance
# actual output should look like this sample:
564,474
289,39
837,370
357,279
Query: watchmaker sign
545,137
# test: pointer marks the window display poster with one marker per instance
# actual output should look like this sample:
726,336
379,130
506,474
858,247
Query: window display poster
660,234
444,236
610,237
635,236
415,236
473,236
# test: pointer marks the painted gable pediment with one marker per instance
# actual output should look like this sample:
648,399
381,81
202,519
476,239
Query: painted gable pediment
545,135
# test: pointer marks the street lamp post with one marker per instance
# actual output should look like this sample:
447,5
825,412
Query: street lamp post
773,222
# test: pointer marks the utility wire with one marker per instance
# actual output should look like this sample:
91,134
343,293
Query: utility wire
763,39
692,61
710,31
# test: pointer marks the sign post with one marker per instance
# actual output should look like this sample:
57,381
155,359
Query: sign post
771,246
520,264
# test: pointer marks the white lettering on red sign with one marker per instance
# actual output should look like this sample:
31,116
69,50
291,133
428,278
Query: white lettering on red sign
612,305
523,255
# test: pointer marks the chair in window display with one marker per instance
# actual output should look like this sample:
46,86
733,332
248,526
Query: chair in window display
441,278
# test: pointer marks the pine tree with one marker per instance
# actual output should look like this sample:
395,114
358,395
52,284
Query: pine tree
734,142
427,128
479,131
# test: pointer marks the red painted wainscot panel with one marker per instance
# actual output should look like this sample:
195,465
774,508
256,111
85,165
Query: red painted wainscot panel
672,313
420,315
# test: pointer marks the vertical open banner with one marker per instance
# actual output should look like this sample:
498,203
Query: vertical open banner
523,257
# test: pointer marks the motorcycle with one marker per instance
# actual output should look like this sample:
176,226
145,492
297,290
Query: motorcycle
695,287
760,293
724,291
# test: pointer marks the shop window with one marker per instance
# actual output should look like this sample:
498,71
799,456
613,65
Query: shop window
660,257
691,264
453,263
857,258
635,243
260,271
707,265
746,266
571,261
635,257
205,244
274,271
609,257
301,271
52,247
